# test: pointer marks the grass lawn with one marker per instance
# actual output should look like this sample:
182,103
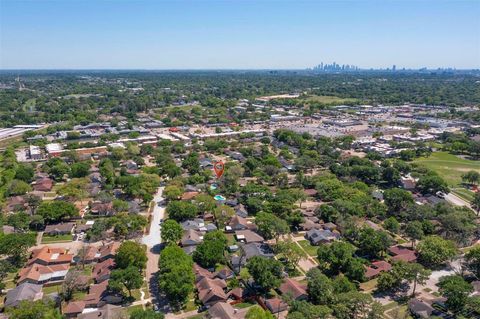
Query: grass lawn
449,166
133,308
79,295
190,305
463,193
368,285
399,312
243,305
311,250
56,239
326,99
52,289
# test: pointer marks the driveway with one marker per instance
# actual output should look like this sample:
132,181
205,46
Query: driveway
455,200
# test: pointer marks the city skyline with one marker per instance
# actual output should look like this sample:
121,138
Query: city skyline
233,35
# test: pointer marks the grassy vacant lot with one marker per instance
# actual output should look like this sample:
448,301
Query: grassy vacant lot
449,166
326,99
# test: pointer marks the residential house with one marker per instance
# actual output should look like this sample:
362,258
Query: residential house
191,238
43,185
189,195
40,274
223,310
241,211
211,291
320,236
99,295
74,308
59,229
102,209
294,289
102,270
225,273
16,203
276,305
248,236
25,291
421,309
50,256
402,253
238,223
106,312
376,268
408,183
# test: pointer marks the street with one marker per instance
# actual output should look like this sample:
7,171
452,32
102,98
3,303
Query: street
153,242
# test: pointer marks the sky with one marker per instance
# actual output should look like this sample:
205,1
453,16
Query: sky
238,34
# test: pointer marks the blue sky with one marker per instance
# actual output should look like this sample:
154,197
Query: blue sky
238,34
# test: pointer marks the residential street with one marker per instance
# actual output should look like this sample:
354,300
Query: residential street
153,241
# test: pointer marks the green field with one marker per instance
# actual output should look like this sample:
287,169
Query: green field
449,166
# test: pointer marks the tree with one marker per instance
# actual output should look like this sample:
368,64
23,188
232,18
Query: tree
270,226
372,242
335,258
146,314
71,284
79,170
15,246
176,276
397,199
320,288
265,272
432,184
205,203
305,310
54,211
172,192
257,312
180,211
434,250
415,273
210,251
472,261
476,202
75,189
456,290
5,268
330,189
129,278
59,170
357,305
230,178
171,231
472,177
24,173
40,309
223,214
290,252
131,254
18,187
414,230
391,224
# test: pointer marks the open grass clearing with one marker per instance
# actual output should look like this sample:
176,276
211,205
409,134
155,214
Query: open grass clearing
449,166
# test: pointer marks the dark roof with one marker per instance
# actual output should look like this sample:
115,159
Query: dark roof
420,308
24,291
